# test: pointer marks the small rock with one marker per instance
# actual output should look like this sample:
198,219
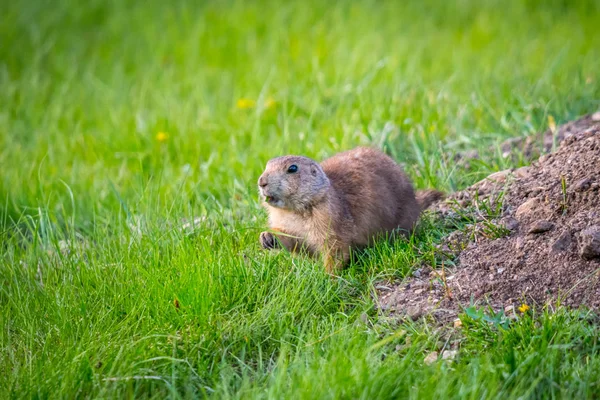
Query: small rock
596,116
419,291
582,184
414,312
483,188
510,223
527,208
435,274
449,355
500,270
457,323
431,358
499,176
540,226
589,243
522,172
563,242
509,309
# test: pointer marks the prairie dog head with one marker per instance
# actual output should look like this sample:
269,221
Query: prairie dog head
293,183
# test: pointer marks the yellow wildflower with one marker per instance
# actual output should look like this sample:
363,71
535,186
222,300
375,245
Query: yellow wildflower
523,308
161,137
270,103
244,104
551,123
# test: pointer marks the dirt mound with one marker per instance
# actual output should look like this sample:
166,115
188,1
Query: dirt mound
531,147
542,245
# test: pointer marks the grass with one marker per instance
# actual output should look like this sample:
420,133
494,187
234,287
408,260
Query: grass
121,120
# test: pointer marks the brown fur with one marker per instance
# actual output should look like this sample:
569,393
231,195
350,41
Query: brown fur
343,203
427,197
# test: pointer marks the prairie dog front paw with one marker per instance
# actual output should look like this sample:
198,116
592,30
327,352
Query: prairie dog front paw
268,241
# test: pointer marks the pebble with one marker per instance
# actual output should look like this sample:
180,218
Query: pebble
527,208
540,226
522,172
431,358
582,184
510,223
563,242
414,312
499,176
449,355
589,243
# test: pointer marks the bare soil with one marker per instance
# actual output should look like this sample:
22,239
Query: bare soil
535,237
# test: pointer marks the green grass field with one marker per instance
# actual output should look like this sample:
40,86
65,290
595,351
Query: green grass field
121,120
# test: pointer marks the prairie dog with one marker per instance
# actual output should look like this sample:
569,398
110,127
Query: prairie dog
343,203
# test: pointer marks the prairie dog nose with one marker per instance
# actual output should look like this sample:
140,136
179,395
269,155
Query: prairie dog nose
262,182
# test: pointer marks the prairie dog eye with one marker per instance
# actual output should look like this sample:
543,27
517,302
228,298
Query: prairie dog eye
292,169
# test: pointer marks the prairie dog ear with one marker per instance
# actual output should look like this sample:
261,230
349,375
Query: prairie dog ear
313,170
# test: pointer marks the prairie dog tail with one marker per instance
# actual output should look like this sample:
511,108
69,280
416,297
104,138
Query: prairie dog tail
427,197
